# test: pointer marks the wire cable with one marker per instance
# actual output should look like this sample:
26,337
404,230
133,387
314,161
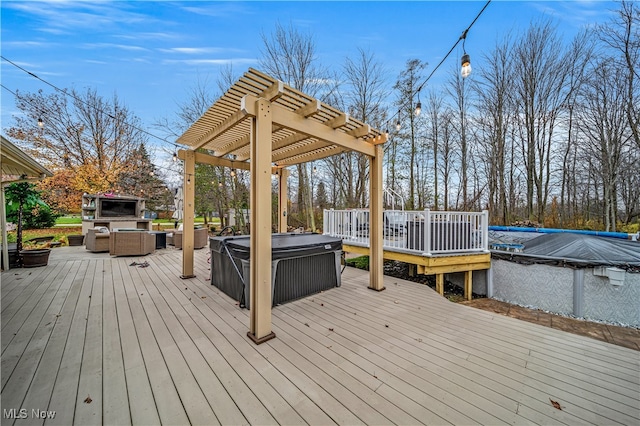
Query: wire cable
71,95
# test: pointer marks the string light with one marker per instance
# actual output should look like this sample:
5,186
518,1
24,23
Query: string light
466,62
71,95
233,172
466,59
175,156
418,106
40,122
315,170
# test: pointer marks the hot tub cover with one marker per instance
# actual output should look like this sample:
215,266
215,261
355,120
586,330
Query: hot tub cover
283,246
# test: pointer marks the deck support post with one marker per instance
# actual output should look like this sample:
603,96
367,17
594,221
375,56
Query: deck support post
283,174
188,190
260,239
440,284
376,263
468,285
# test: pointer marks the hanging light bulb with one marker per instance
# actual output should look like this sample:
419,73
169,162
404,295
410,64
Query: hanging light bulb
151,173
233,172
175,156
466,66
398,125
386,133
219,184
418,108
40,122
315,170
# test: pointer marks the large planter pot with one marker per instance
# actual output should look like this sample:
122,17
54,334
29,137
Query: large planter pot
75,240
34,258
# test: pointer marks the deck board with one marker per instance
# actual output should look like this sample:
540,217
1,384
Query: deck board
148,347
90,383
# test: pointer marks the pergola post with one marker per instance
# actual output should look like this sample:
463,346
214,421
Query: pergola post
376,271
188,190
260,239
282,200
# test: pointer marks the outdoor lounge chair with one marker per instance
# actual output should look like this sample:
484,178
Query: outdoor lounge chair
200,238
97,240
131,243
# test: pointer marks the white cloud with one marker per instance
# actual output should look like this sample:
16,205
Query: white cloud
127,47
67,17
26,44
196,62
218,9
192,50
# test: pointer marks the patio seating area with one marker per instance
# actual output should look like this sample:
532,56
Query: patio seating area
100,340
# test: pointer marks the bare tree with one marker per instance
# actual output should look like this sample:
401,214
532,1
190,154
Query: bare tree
290,56
88,134
543,87
364,95
460,92
407,87
604,125
623,36
435,119
493,88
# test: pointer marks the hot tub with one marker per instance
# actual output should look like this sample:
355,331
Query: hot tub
302,264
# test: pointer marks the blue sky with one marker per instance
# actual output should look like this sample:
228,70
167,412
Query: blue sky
152,53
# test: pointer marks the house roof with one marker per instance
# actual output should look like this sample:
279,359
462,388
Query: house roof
17,165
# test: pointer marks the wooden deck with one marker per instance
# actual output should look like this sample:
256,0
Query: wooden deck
94,340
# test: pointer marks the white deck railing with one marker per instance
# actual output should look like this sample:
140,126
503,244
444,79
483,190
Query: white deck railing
423,232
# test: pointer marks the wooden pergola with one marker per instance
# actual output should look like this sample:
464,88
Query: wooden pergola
262,125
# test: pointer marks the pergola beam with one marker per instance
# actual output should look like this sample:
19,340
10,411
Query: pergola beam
293,121
317,154
297,151
211,160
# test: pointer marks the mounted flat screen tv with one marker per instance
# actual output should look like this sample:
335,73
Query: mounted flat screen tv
118,208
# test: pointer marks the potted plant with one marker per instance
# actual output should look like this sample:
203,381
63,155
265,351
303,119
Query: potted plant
35,254
22,200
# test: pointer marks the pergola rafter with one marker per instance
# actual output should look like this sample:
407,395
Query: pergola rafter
263,125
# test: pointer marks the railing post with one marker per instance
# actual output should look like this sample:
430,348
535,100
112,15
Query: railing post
427,232
354,224
325,222
485,230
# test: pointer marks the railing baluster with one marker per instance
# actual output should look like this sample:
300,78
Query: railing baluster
424,232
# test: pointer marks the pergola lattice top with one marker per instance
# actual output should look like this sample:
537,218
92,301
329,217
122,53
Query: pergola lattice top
304,129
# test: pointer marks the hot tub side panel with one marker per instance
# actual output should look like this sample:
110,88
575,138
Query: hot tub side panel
299,268
302,276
